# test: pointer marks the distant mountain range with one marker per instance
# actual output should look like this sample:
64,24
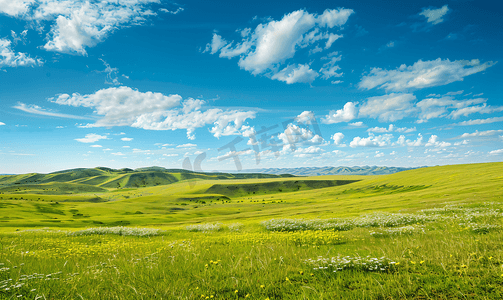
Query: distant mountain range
317,171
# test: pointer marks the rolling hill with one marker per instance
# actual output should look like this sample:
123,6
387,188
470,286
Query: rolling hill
42,200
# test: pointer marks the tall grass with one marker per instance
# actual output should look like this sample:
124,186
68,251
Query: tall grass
441,258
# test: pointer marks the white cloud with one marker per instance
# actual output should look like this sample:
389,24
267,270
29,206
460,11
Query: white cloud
448,107
9,58
464,142
35,109
15,8
77,25
189,145
337,137
481,133
309,150
294,74
496,152
118,153
125,139
217,43
454,93
294,135
481,121
434,15
330,68
418,142
391,128
434,142
345,114
175,12
266,48
123,106
2,123
379,154
422,74
388,108
357,124
371,141
306,117
96,146
170,155
91,138
112,73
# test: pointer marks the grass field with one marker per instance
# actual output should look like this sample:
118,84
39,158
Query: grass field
430,233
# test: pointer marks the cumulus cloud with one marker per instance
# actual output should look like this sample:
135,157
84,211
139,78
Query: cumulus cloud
306,117
434,142
92,138
434,15
346,114
388,108
9,58
422,74
125,139
15,8
296,73
123,106
265,49
294,135
337,137
415,143
309,150
96,146
77,25
371,141
2,123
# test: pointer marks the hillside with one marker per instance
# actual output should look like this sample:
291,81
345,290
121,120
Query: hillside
100,179
210,198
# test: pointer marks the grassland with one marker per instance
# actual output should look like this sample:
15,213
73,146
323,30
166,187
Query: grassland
430,233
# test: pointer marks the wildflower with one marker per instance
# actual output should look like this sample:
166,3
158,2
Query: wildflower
262,286
287,279
247,295
301,272
413,262
421,262
236,291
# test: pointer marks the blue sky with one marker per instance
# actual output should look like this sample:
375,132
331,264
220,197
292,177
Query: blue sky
222,86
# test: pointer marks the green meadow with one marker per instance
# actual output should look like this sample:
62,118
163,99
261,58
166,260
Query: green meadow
428,233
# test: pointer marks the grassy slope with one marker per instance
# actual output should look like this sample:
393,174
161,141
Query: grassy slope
205,201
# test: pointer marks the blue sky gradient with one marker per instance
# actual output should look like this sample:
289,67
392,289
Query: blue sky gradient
251,85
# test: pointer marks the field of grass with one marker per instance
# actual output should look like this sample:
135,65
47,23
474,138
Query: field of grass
430,233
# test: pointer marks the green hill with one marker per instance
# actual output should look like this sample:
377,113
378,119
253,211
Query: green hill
164,198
